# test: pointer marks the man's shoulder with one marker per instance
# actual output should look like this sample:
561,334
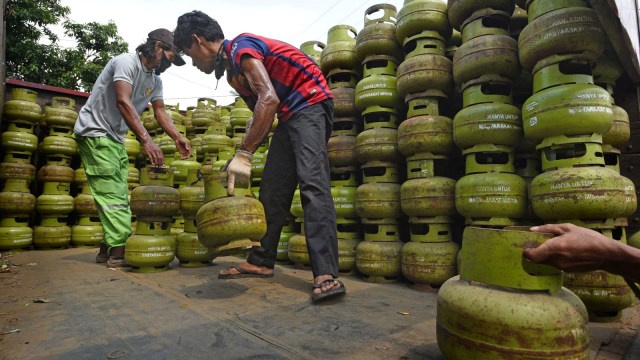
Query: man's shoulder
126,58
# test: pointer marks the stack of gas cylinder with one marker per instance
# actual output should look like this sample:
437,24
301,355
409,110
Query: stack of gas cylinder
154,203
567,117
22,112
189,251
88,231
215,144
377,101
56,203
342,68
488,127
425,138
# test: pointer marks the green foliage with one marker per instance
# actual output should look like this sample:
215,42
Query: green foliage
33,53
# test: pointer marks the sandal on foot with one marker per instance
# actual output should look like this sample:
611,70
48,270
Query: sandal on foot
334,291
242,273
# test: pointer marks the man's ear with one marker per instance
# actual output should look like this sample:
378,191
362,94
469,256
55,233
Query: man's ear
196,39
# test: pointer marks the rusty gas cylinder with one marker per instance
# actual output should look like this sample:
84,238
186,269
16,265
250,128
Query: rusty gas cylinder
417,16
589,192
313,49
229,218
378,36
428,196
425,67
340,52
378,86
23,105
341,150
377,144
620,131
488,116
61,112
150,249
425,131
490,54
430,263
379,261
16,200
156,198
571,109
573,30
378,201
501,307
461,10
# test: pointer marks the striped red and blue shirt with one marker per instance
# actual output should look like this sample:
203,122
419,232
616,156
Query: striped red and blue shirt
296,78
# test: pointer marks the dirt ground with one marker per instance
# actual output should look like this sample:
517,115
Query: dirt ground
59,304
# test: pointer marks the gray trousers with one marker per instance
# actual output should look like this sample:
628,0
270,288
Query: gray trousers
298,155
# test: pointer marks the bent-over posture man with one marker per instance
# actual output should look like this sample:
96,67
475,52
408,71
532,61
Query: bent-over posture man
275,77
120,94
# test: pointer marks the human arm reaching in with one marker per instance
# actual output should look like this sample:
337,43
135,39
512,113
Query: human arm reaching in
578,249
264,110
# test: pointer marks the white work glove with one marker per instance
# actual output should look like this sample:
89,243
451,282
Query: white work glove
239,170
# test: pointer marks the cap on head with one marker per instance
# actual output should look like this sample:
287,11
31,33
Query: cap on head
165,36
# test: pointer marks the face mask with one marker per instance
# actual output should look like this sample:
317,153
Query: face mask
164,64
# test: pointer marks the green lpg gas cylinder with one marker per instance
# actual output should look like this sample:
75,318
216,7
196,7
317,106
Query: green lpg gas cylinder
502,307
347,255
149,253
377,144
574,30
417,16
428,263
424,71
460,10
378,201
429,196
230,218
572,109
491,54
425,131
378,86
378,36
13,139
340,52
297,251
15,237
23,105
491,198
379,261
589,192
190,251
61,112
313,49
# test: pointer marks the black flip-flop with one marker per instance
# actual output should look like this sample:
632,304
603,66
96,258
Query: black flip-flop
242,273
334,291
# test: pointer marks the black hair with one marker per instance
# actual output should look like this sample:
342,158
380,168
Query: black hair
148,49
198,23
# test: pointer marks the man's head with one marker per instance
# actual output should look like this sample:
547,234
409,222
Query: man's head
160,51
195,36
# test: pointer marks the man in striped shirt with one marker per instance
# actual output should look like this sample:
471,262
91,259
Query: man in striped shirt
276,78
